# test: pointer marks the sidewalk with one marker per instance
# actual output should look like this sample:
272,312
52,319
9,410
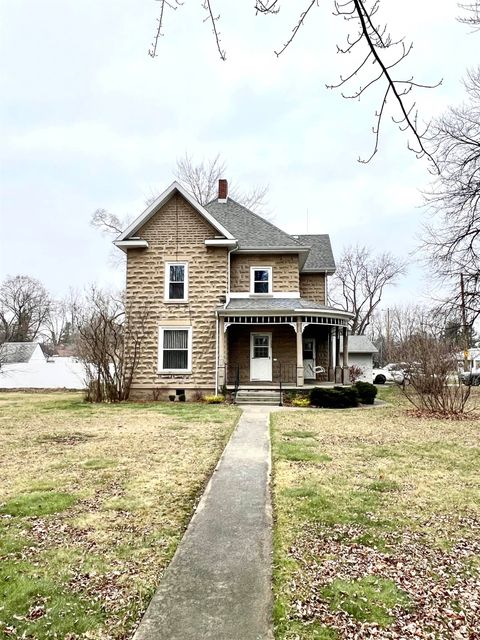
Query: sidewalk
218,585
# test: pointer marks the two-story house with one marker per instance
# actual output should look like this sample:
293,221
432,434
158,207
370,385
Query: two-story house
228,298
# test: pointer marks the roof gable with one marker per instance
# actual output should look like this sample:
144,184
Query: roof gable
17,352
320,257
158,203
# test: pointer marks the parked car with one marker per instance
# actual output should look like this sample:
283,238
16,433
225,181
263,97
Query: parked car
390,373
471,377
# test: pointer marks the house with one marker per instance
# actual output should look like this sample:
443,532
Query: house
23,365
360,354
224,297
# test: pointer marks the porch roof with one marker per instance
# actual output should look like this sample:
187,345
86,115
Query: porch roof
283,305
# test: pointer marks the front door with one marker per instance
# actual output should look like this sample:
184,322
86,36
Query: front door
309,358
261,357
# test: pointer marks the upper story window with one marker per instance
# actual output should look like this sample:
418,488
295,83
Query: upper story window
176,281
260,279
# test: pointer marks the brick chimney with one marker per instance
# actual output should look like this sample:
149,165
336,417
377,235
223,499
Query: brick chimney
222,190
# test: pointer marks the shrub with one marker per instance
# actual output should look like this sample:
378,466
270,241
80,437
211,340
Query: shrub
214,399
366,392
290,396
300,401
354,373
336,398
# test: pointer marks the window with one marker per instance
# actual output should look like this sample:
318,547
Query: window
175,349
176,281
261,279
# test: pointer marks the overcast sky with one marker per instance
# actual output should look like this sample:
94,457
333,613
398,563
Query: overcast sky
88,120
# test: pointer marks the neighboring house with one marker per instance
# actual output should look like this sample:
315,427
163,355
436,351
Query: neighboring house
360,354
23,365
223,297
473,359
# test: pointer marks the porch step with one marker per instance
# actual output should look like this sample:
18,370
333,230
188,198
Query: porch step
265,397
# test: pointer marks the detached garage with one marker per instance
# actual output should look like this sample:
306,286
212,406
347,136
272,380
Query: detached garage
360,354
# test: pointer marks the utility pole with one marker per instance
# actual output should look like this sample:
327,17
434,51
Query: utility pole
388,334
464,323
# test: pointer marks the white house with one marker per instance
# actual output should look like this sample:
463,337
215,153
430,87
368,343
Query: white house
23,365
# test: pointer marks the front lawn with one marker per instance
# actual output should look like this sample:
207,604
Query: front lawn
377,518
93,502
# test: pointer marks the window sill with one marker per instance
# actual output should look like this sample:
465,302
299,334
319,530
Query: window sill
175,301
261,295
174,372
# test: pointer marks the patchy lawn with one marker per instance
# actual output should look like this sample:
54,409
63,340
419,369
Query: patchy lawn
377,524
93,502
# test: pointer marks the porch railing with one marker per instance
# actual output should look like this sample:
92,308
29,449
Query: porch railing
282,372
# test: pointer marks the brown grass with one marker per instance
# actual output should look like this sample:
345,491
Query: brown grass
133,472
374,475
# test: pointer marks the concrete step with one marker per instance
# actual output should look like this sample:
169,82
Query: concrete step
248,396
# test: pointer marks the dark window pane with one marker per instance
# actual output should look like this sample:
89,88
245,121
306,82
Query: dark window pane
260,287
177,273
175,359
260,341
260,352
261,274
176,291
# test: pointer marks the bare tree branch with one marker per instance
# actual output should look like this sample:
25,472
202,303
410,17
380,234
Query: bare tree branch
152,52
375,45
359,282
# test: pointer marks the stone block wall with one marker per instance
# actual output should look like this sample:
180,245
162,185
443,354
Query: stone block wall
312,287
284,271
176,233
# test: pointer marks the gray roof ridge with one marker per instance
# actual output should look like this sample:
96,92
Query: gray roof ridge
259,217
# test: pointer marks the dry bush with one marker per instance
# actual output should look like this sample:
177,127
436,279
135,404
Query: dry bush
432,383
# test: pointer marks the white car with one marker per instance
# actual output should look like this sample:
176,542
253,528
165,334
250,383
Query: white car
389,373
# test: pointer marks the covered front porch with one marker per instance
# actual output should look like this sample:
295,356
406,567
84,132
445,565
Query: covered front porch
282,351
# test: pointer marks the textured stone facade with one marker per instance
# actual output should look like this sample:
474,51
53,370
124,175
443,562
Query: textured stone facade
176,233
312,287
284,271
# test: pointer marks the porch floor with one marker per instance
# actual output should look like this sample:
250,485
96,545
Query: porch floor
274,386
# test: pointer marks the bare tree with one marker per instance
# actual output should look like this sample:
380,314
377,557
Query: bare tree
110,345
24,306
377,56
452,242
107,222
471,15
359,282
60,323
201,180
432,383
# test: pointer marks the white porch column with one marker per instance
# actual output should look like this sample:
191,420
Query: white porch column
338,366
331,372
300,378
345,377
221,351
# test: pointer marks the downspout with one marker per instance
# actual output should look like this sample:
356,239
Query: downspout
227,300
216,352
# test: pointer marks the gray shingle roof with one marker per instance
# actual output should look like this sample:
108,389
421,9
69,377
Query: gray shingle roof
360,344
251,230
254,232
320,256
274,304
15,352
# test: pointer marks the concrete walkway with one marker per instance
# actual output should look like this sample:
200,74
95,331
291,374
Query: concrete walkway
218,585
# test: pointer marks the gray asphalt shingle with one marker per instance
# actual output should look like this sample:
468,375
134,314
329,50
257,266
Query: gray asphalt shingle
254,232
274,304
251,230
16,352
320,257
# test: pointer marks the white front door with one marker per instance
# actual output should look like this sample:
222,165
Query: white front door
309,358
261,356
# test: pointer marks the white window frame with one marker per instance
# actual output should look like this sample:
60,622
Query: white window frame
161,331
252,280
175,263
